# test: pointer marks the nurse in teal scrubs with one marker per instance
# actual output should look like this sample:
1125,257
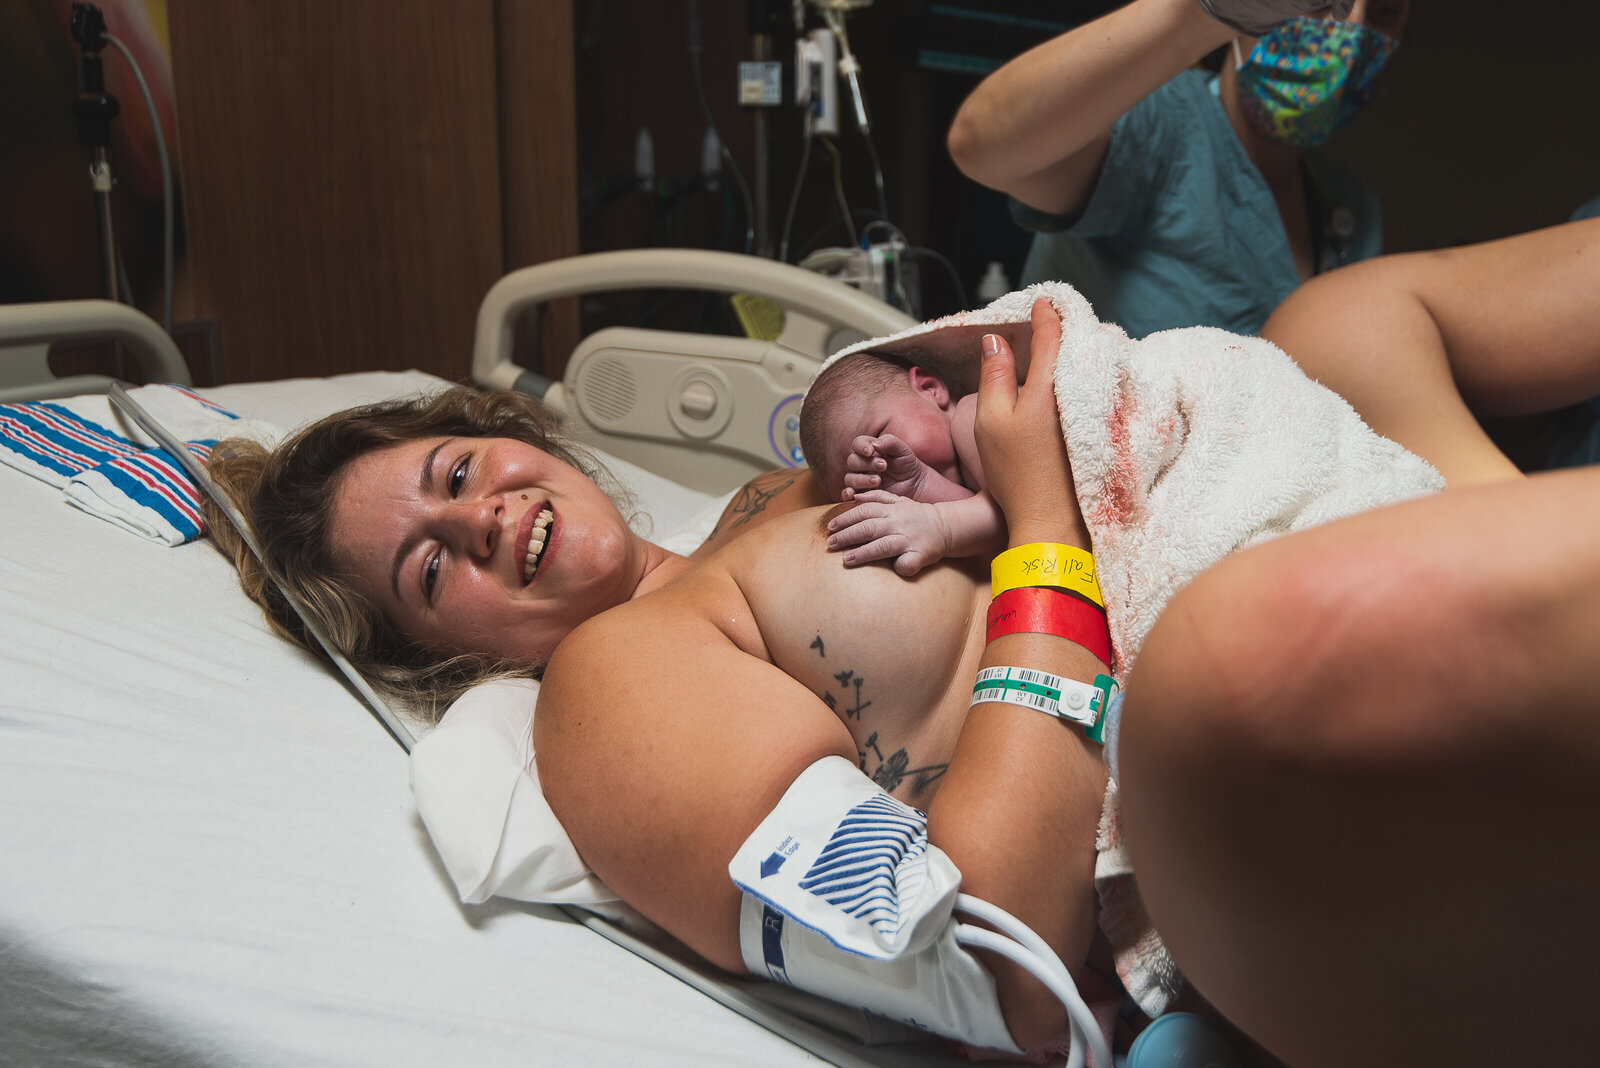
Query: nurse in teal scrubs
1170,196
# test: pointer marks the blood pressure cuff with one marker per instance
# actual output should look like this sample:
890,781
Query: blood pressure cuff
844,897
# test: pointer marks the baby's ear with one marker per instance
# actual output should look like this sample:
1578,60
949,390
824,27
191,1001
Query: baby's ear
929,385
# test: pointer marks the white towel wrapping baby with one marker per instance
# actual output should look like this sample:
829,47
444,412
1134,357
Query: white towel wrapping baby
1185,446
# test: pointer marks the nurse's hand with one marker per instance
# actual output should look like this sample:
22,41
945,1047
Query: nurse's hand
1255,17
1018,431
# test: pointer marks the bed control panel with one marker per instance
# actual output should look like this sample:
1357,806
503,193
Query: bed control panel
783,430
709,412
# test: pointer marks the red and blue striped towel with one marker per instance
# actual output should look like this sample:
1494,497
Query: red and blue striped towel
78,445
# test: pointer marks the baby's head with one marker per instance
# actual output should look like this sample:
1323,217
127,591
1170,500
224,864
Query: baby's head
871,394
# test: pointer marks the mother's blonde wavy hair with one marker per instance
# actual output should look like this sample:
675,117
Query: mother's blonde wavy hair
287,493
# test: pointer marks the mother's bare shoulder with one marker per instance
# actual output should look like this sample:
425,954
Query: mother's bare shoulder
759,501
662,738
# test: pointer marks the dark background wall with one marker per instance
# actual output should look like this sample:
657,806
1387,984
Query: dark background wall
1486,127
351,184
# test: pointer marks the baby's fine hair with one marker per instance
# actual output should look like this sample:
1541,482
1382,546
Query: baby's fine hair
287,493
871,373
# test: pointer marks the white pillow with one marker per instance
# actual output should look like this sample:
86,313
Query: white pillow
477,790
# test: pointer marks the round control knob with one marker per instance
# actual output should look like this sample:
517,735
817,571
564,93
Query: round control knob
698,400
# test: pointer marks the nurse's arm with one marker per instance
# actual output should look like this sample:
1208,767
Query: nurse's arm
1039,127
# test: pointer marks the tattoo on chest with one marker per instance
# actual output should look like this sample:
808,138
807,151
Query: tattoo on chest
752,499
844,696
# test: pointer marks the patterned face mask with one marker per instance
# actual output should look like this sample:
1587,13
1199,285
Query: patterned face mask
1308,77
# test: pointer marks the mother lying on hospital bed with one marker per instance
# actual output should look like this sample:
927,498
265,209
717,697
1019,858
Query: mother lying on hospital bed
1359,764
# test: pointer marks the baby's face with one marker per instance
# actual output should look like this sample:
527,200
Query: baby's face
915,418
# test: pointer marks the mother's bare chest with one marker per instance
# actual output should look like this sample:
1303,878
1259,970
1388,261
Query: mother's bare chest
893,659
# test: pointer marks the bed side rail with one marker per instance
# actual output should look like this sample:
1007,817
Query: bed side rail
816,309
27,331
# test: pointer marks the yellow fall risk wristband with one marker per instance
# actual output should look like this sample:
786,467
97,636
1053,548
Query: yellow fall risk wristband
1046,563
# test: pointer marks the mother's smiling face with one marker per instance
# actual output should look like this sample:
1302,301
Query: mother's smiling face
482,545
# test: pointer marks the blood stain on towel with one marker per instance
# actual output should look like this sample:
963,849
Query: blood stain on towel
1120,495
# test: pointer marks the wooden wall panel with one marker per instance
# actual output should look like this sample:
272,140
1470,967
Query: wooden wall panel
342,180
539,153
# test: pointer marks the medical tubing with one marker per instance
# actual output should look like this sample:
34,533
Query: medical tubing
794,194
806,247
877,172
705,109
1081,1032
1022,945
983,938
838,191
166,181
148,423
851,68
1002,920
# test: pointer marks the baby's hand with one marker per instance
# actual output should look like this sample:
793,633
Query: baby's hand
885,526
882,463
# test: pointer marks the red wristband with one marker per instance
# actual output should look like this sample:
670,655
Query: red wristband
1046,610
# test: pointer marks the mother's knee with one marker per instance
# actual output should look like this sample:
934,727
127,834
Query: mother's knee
1327,648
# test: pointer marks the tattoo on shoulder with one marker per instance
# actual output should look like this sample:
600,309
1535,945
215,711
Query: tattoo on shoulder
753,498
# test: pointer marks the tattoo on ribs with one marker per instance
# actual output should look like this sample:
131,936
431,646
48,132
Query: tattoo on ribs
890,771
849,680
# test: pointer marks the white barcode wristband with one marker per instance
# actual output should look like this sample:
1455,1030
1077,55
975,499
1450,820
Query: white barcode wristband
1080,702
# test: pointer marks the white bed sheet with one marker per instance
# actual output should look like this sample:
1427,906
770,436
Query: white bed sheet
210,854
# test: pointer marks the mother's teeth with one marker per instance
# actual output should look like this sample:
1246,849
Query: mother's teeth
536,541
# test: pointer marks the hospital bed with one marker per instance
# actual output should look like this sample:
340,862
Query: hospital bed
210,852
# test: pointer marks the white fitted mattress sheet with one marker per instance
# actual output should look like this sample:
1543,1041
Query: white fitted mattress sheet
210,854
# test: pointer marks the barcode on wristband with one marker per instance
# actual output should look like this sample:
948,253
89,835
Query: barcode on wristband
1036,701
1025,687
1041,678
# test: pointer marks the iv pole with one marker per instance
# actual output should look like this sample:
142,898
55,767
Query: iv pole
94,109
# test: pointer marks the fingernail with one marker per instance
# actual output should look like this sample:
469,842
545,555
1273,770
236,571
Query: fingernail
991,344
